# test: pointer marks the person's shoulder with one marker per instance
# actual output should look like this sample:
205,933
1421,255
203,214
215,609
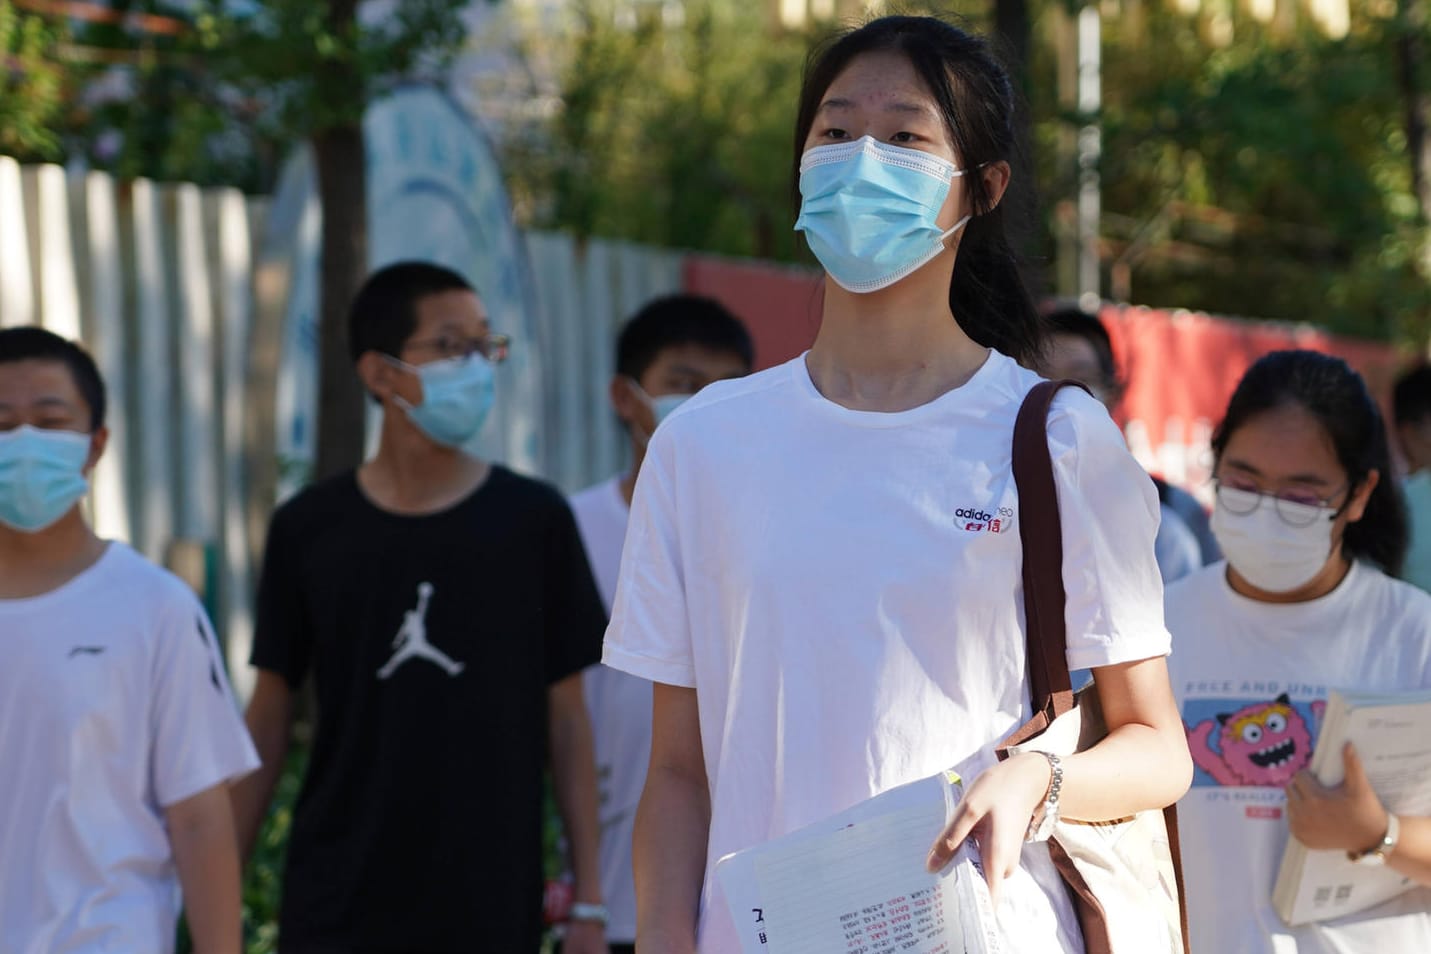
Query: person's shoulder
1198,593
593,496
523,490
1011,382
1392,600
333,498
144,583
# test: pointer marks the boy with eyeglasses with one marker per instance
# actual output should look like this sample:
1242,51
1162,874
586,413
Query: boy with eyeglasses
445,609
118,731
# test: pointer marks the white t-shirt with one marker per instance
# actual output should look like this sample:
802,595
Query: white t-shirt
113,705
620,708
1243,659
843,590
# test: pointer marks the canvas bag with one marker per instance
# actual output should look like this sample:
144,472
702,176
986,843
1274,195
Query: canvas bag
1125,876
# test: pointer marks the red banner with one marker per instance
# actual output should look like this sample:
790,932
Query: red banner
1180,367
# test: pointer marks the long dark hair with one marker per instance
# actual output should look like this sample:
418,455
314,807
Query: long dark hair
1337,396
987,293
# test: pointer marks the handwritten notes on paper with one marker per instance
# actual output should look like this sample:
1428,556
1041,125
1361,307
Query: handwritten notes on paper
856,884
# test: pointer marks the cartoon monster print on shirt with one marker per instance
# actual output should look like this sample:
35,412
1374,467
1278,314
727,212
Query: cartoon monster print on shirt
1265,743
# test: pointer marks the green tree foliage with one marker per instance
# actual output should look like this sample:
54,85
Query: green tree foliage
281,53
674,130
31,84
1267,176
1246,171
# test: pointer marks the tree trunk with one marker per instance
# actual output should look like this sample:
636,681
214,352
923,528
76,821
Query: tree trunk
1410,53
339,159
1013,31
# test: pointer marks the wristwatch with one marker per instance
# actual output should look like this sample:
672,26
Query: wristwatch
1377,855
583,911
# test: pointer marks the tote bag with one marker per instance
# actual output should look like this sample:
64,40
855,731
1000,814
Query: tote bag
1124,876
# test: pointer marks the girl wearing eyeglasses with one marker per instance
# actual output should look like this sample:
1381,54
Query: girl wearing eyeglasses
1310,523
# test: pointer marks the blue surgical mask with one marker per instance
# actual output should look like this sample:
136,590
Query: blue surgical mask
457,394
868,210
41,476
662,406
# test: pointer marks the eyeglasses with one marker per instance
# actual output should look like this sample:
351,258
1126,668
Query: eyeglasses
493,347
1296,507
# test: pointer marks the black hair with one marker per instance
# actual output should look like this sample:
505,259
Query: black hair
677,320
384,312
33,343
987,293
1081,324
1337,396
1411,398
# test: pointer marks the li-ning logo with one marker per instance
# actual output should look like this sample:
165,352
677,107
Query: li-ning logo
976,520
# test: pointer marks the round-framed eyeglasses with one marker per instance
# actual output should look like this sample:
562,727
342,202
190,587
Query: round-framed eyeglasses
494,347
1297,507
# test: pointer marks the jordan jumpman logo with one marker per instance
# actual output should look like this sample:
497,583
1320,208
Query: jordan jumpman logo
411,641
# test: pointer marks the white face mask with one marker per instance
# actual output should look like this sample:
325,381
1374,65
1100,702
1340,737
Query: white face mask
1266,550
661,406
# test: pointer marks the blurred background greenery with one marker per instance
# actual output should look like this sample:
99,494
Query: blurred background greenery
1259,157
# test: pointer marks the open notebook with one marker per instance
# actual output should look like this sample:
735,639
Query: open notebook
855,883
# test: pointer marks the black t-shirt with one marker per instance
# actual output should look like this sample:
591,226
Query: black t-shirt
432,640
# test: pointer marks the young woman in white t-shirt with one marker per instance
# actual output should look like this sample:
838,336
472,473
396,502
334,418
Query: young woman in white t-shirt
822,574
1308,521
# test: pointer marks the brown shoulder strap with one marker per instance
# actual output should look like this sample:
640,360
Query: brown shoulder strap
1041,535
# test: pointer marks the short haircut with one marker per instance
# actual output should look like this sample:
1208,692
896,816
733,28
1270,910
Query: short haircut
384,312
33,343
679,320
1411,399
1081,324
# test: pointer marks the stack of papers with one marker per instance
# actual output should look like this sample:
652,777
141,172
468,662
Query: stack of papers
856,883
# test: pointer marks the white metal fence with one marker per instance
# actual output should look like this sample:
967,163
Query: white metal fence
170,288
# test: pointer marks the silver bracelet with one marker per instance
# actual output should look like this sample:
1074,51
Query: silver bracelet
584,911
1041,825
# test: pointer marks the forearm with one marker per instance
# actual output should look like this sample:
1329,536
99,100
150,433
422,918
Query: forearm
201,836
1412,856
251,797
269,720
574,782
1144,762
1135,768
669,857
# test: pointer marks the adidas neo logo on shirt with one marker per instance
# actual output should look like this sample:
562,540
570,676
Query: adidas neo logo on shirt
976,520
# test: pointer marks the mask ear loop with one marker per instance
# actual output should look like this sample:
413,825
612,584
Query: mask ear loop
966,219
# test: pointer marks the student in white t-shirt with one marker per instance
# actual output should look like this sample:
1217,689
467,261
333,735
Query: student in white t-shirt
670,349
1308,520
822,572
118,731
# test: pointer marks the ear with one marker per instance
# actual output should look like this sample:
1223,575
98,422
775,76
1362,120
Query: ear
1361,496
996,182
98,441
623,399
376,375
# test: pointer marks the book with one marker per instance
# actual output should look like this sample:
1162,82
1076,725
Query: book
1392,734
856,882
